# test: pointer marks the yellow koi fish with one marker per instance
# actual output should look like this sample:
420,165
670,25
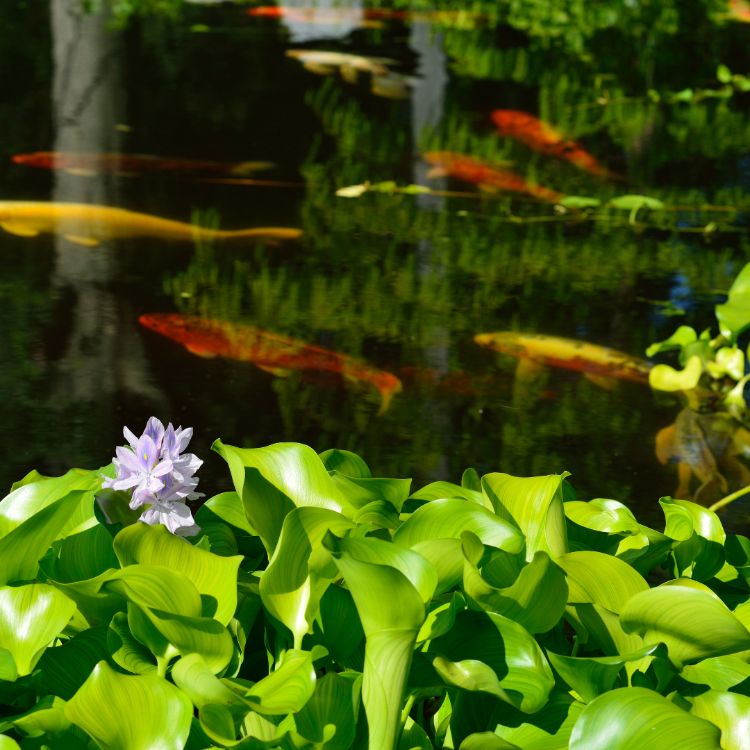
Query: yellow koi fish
597,363
325,62
89,225
272,352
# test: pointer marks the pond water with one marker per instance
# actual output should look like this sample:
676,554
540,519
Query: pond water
396,282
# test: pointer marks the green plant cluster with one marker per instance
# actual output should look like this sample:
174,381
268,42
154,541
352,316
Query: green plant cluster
713,368
322,607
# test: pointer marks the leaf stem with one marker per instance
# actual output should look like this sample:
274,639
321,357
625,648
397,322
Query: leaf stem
729,498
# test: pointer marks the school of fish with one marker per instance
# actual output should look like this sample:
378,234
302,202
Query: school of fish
271,352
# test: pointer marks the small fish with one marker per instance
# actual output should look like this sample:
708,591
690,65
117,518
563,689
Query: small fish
317,16
89,225
542,137
468,169
598,363
326,62
89,164
271,352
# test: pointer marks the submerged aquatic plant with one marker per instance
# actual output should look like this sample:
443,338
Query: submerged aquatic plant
160,475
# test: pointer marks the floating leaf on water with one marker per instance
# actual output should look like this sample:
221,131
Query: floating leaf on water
579,201
724,74
353,191
630,202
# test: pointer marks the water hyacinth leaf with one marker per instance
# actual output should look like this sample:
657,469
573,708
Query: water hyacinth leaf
31,617
8,743
335,702
288,688
390,587
579,201
80,556
345,462
600,514
379,514
681,338
338,628
630,202
645,550
213,575
592,676
535,506
228,506
63,669
125,650
666,378
718,672
692,622
734,315
124,712
23,547
46,717
218,724
8,670
360,491
635,717
194,677
443,490
301,568
685,518
536,599
440,619
29,498
513,667
413,737
728,711
486,741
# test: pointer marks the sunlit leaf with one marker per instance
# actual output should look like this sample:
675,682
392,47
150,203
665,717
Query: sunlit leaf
123,712
728,711
31,617
228,506
734,315
634,717
534,505
345,462
666,378
718,672
630,202
288,688
125,650
335,702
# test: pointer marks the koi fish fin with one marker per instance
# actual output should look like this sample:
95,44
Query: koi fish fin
386,395
319,68
528,369
80,172
437,172
199,352
248,167
81,240
349,73
278,372
19,228
601,381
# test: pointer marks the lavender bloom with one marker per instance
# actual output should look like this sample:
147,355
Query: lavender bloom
159,474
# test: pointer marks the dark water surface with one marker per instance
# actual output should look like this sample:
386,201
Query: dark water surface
400,281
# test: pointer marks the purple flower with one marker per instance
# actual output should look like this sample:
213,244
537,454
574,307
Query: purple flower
159,474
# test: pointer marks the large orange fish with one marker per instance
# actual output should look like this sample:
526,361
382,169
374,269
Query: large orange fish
87,164
89,225
542,137
368,17
271,352
597,363
468,169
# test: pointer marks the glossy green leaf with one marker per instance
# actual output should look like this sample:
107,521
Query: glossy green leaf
609,516
31,617
728,711
288,688
360,491
592,676
718,672
46,717
338,628
213,576
31,497
491,653
345,462
645,550
335,702
63,669
629,718
630,202
125,650
536,599
25,544
445,490
692,622
734,315
579,201
228,506
80,556
123,712
378,573
685,518
301,568
196,679
8,743
681,338
534,505
666,378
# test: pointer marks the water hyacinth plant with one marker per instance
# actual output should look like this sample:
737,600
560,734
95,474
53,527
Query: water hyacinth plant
159,475
323,608
712,367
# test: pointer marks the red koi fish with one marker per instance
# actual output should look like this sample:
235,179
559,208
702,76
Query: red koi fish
372,17
132,164
468,169
542,137
271,352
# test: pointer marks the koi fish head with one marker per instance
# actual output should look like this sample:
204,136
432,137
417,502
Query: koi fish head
43,159
198,336
507,342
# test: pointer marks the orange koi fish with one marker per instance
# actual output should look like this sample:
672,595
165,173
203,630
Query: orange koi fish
542,137
88,165
269,351
598,363
89,225
739,10
370,17
468,169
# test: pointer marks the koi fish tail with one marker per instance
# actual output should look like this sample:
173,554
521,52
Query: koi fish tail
249,167
272,235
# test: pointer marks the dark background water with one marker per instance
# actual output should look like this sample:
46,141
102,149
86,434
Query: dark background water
401,281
